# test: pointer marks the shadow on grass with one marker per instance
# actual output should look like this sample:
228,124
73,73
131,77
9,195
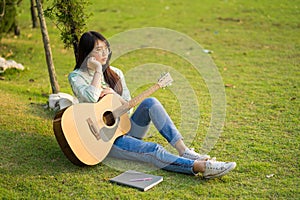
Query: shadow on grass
42,110
33,154
34,165
26,153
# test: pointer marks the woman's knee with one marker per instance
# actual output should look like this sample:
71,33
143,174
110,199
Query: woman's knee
151,101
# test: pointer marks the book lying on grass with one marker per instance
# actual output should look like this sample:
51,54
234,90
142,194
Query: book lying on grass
137,180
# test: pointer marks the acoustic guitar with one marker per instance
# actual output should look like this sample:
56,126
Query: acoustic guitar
86,132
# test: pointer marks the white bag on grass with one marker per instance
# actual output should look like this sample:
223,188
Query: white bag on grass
61,100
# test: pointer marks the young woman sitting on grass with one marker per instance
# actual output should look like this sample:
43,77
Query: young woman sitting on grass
93,78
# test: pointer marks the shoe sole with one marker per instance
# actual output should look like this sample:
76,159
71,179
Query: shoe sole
233,165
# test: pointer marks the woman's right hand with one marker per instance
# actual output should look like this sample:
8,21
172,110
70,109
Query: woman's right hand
94,64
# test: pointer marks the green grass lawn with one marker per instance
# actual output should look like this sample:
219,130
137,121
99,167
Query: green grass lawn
256,48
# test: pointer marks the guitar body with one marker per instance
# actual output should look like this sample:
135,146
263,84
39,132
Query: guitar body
86,131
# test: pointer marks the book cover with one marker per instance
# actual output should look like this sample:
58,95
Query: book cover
137,180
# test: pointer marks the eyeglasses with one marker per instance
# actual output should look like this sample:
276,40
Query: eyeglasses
102,52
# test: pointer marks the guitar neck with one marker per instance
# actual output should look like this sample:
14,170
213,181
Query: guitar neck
135,101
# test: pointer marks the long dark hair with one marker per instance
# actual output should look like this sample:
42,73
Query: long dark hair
86,45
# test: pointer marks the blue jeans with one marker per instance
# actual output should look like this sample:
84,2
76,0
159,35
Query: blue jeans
132,147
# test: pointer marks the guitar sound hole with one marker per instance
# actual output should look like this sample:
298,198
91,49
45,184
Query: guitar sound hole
108,118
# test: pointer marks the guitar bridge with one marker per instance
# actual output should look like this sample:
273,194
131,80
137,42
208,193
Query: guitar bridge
93,128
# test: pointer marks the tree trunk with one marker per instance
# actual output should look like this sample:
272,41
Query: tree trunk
51,69
33,14
73,31
2,10
75,48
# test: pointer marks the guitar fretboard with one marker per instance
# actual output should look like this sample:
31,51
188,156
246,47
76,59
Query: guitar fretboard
135,101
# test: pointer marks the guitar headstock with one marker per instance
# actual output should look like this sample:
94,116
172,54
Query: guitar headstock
165,80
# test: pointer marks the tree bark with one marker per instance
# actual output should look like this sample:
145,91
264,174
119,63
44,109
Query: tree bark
48,53
33,14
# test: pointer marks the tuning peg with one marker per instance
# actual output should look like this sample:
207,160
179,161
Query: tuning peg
162,74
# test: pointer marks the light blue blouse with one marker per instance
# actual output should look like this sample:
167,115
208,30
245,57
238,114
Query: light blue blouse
85,92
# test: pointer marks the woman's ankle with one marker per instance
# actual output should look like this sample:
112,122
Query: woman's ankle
180,147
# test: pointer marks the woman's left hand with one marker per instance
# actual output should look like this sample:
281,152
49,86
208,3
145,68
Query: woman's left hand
106,91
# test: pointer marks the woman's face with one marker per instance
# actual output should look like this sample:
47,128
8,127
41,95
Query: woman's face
100,52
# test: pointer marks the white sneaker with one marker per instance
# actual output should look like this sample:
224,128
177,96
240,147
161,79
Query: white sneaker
216,169
191,154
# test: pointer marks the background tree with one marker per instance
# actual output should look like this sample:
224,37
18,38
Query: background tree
70,18
48,52
33,14
8,13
